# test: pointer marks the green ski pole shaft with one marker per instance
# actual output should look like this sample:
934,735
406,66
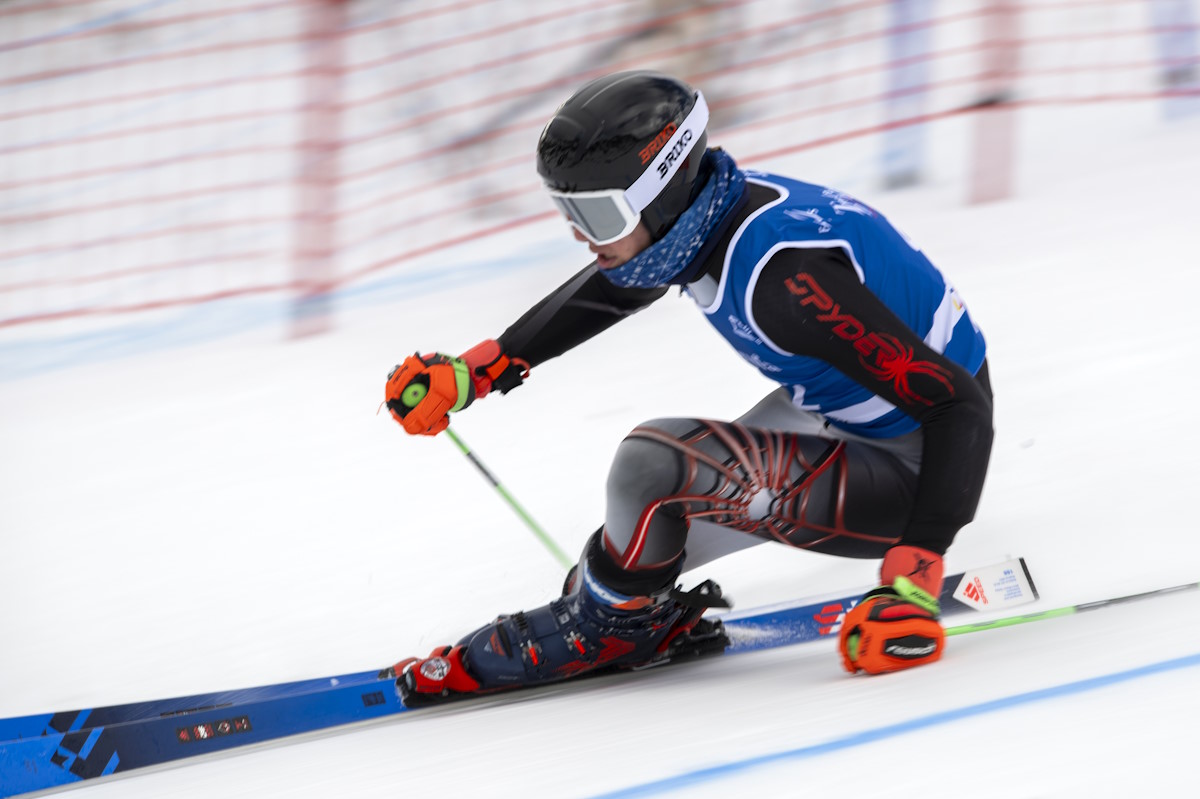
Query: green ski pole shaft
1069,610
546,540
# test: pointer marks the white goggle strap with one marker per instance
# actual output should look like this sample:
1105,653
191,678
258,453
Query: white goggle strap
672,155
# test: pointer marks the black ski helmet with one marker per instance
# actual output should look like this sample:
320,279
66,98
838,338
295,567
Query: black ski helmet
613,129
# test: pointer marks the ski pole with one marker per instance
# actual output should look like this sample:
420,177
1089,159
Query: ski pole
546,540
1069,610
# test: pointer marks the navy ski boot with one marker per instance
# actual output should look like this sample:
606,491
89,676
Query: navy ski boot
592,628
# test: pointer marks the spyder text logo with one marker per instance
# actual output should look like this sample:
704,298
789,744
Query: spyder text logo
883,355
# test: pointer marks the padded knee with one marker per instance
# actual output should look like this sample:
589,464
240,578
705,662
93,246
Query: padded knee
644,473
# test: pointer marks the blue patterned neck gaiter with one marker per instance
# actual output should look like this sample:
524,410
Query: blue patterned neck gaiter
667,258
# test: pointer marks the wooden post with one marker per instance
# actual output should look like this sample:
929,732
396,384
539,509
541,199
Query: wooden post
992,156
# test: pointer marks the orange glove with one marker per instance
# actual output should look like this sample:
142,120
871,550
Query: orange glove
424,390
896,626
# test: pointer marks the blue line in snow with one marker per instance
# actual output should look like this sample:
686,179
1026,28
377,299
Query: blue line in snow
893,730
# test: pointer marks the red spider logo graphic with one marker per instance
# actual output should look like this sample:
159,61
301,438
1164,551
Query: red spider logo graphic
895,362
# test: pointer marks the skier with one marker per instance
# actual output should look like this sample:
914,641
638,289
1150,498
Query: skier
875,445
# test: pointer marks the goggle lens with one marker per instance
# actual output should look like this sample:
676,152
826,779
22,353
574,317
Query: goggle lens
604,217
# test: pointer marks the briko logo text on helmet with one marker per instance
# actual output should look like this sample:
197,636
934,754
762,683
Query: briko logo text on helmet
666,166
661,139
667,150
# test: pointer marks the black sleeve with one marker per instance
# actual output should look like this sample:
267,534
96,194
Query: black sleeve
810,302
585,305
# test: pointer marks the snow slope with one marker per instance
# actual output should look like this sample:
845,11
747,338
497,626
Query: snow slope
191,502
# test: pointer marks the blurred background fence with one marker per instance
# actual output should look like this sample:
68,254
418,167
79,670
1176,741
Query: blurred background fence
164,153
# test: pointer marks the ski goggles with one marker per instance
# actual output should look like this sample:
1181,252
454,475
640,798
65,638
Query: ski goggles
612,214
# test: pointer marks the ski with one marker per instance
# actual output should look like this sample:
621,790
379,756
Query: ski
74,721
43,751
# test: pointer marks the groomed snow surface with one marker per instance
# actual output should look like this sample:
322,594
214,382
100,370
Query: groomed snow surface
195,502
